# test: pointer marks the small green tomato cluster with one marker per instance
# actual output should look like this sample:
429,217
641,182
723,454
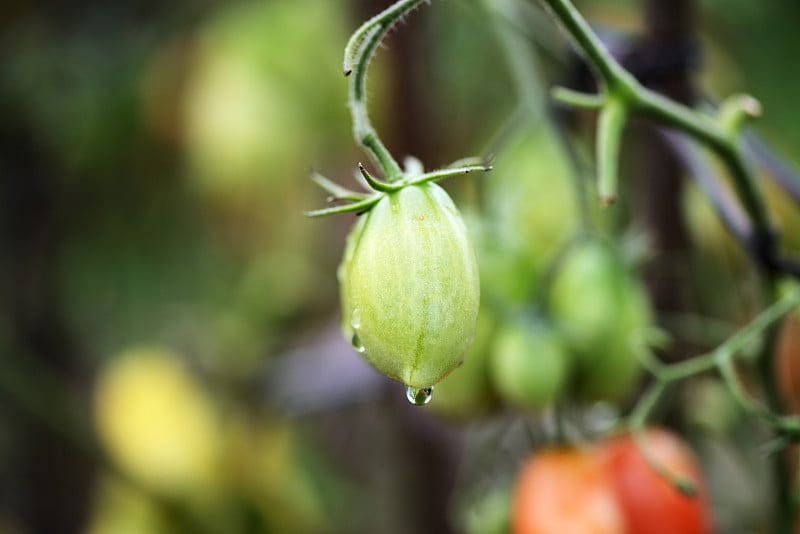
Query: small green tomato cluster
562,315
563,318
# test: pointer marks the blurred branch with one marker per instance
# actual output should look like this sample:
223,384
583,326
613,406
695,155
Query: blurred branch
701,170
722,359
720,132
763,249
783,174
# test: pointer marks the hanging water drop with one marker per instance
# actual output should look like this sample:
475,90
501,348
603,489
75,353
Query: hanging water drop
355,319
356,342
419,396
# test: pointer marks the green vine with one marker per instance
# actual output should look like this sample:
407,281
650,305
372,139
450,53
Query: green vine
624,96
721,359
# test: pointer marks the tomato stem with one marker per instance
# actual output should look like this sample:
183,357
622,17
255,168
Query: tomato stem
720,132
358,53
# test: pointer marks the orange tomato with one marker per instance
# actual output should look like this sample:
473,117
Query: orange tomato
610,489
566,491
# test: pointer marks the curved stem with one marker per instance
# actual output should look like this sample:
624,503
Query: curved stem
722,358
638,421
357,56
589,44
786,424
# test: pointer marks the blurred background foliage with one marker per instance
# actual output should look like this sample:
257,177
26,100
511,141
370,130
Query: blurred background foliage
170,360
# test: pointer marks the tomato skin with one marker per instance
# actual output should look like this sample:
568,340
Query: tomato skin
605,314
410,288
529,365
787,353
649,503
610,488
565,491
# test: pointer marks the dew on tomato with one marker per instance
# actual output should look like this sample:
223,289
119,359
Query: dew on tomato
410,288
419,396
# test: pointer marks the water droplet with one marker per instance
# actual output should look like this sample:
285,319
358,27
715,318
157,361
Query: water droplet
356,342
355,319
419,396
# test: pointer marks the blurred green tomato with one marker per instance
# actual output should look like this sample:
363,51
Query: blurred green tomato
409,286
604,313
529,364
468,390
530,199
253,105
490,514
507,275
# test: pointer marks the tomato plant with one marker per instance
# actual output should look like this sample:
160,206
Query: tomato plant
409,289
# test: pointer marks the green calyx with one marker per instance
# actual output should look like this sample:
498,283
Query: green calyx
375,189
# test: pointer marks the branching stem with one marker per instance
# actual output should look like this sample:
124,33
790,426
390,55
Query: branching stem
622,89
722,359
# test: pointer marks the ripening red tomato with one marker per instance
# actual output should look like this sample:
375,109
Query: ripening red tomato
610,489
649,503
787,352
566,491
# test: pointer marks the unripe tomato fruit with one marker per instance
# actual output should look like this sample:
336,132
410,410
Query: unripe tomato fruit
468,391
410,287
529,364
565,491
650,503
604,313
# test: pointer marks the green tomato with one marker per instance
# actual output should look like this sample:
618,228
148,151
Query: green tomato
530,196
468,390
410,287
489,514
251,109
507,272
605,314
530,364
